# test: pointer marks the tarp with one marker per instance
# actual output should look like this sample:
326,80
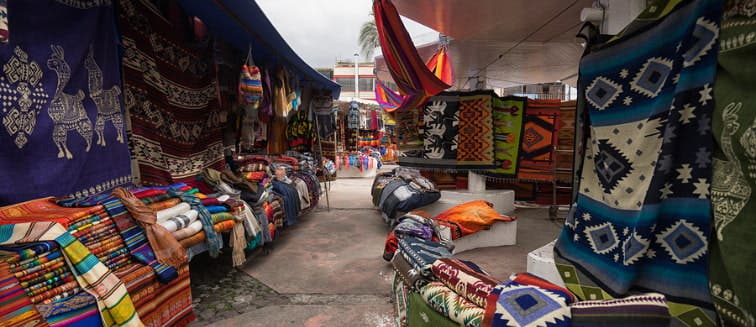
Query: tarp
242,23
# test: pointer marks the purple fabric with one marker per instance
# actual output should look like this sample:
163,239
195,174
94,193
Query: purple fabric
411,227
62,122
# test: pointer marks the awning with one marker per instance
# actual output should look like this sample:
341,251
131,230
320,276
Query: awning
242,23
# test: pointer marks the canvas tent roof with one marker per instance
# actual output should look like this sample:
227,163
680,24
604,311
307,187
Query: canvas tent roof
242,23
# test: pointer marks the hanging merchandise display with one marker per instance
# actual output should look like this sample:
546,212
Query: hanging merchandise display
508,117
733,188
642,220
170,98
62,121
540,134
250,83
415,81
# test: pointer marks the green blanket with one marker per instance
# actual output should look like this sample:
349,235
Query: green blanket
733,189
421,314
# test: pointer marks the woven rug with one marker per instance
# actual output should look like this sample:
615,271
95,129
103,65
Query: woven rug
733,189
508,118
169,95
642,219
420,314
440,137
62,121
17,309
539,137
475,144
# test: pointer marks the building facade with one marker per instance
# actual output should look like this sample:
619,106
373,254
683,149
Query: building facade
343,74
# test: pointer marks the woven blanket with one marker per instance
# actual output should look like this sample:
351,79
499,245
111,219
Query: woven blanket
400,297
441,133
407,129
468,283
421,314
181,221
643,216
452,305
638,310
733,189
113,300
539,137
77,310
170,97
421,253
62,121
171,212
528,301
16,309
508,118
475,145
472,217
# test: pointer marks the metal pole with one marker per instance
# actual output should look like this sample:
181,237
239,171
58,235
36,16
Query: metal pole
356,75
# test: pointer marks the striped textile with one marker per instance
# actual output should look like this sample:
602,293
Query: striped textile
649,310
116,308
413,78
452,305
16,309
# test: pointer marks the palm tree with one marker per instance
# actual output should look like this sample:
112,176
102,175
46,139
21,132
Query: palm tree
369,39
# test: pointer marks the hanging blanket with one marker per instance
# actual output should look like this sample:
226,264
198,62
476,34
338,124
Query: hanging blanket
475,146
170,97
412,77
113,300
539,137
528,301
643,216
61,127
441,134
733,189
508,118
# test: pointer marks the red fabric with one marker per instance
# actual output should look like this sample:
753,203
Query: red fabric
410,73
149,193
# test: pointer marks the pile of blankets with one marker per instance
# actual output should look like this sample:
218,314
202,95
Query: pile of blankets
52,253
433,288
402,190
458,221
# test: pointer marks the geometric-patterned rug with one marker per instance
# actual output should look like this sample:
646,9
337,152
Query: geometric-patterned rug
539,139
642,218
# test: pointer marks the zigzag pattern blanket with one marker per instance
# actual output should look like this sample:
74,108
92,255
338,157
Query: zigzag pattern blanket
643,216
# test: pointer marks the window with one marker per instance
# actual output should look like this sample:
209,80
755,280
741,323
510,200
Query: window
347,84
366,84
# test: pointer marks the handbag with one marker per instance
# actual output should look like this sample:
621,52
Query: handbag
250,83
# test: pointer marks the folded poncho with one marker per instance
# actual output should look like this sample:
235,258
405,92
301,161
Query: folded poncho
193,228
179,209
181,221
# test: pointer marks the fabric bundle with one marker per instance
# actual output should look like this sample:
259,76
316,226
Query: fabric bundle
421,313
642,218
473,216
421,253
638,310
468,283
452,305
528,301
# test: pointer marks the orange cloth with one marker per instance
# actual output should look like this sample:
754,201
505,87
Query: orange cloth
170,203
200,237
44,210
167,250
473,216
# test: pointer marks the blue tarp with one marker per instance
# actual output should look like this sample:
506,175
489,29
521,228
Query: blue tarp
242,23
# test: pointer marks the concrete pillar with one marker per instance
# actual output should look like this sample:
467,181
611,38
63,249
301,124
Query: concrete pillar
476,183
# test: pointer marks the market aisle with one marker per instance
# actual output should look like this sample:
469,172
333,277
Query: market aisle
326,270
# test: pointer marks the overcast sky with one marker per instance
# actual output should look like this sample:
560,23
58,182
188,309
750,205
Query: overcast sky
323,31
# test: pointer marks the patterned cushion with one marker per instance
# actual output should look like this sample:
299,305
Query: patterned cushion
638,310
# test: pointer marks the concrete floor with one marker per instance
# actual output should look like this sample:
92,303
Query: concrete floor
327,270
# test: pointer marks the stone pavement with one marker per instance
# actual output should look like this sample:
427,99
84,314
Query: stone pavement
327,270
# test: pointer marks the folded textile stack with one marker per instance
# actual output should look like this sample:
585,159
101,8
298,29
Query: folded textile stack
403,190
458,221
38,287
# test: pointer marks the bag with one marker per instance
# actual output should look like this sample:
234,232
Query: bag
250,83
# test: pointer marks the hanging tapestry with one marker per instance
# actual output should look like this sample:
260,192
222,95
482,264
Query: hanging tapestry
475,146
170,97
642,219
566,144
733,189
508,117
539,137
407,130
440,135
61,124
